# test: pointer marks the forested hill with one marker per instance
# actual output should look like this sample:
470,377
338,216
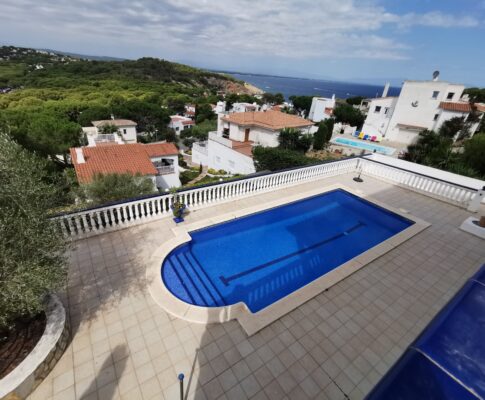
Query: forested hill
45,97
39,68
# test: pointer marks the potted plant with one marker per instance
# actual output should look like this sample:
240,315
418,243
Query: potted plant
178,208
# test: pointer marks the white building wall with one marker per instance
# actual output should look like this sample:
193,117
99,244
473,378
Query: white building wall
168,180
417,106
127,133
377,120
317,109
222,157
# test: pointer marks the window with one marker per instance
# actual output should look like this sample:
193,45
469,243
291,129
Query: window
386,110
177,129
435,94
377,109
124,131
450,96
436,116
225,133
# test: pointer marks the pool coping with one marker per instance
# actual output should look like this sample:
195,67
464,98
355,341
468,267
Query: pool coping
253,322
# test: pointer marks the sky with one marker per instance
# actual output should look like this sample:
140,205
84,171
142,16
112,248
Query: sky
352,40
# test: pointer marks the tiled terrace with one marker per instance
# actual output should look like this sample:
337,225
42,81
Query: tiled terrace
335,346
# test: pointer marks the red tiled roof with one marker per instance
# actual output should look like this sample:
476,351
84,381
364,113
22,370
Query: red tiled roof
480,107
245,148
273,120
188,122
160,149
119,159
458,107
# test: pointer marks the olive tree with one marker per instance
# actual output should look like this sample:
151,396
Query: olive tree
32,249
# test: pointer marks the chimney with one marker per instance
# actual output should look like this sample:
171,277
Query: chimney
386,89
80,155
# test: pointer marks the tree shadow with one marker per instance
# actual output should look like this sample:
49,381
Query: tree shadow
104,270
120,352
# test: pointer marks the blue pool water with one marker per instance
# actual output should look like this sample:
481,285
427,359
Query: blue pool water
261,258
359,144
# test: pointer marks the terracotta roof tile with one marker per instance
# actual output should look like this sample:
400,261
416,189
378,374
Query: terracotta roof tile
273,120
119,159
453,106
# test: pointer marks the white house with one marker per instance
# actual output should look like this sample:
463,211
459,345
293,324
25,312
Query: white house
244,107
230,148
179,123
126,132
321,108
158,161
421,105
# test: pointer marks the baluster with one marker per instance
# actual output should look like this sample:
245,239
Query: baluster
85,223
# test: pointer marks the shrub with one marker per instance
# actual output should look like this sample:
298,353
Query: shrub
274,158
112,187
188,175
293,139
31,246
320,137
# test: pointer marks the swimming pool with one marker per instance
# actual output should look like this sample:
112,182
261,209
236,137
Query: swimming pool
260,258
364,146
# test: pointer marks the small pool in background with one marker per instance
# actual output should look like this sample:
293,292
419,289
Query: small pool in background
261,258
362,145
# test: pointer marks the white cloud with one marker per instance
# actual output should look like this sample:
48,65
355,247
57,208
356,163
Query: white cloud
263,28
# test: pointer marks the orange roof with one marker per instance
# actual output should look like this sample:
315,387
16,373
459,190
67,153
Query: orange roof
245,148
118,159
459,107
160,149
273,120
480,107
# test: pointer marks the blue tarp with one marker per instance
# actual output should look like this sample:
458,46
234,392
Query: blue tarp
447,361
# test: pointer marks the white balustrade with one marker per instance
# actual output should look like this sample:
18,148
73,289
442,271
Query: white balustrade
109,218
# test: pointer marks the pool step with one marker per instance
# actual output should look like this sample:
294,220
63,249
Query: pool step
195,282
206,281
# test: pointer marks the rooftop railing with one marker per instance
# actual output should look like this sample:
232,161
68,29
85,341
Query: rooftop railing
98,220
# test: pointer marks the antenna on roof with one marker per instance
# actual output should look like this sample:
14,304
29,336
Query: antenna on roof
436,74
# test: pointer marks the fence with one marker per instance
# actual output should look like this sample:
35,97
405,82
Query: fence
99,220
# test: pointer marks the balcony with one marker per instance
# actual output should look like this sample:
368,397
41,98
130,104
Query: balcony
165,170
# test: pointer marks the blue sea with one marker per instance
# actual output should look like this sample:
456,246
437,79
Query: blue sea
313,87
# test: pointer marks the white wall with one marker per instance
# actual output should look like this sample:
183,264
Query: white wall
433,172
376,122
317,109
127,133
169,180
222,157
426,107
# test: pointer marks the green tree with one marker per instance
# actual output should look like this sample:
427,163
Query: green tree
477,95
431,149
275,158
453,127
201,131
177,102
293,139
32,260
347,114
112,187
474,153
108,128
302,103
273,98
320,136
354,101
203,112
